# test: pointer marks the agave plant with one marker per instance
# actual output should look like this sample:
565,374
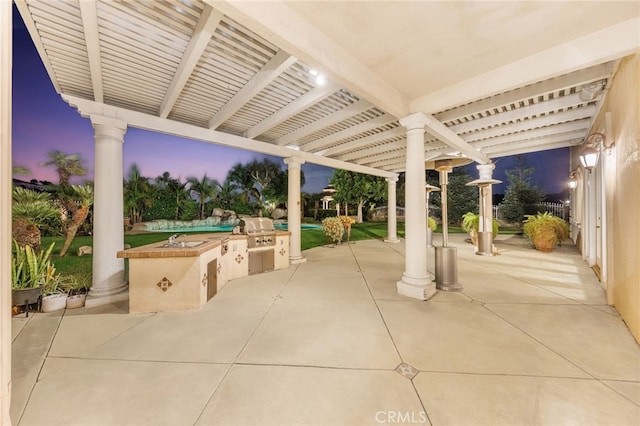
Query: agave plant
30,269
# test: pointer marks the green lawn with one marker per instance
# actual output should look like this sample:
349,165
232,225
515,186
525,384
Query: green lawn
80,267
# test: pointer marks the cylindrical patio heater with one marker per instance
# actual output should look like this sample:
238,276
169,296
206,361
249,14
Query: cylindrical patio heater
485,225
446,257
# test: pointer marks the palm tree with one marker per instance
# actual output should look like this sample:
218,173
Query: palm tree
82,197
66,165
205,188
20,170
227,193
136,194
29,210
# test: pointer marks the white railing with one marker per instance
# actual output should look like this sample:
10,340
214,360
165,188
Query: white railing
557,209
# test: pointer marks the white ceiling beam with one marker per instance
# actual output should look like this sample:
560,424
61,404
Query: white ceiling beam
398,141
37,41
544,107
331,119
313,96
349,132
546,120
88,108
276,22
446,135
400,166
202,34
566,81
566,138
395,161
393,150
535,133
272,70
613,42
367,140
536,148
89,16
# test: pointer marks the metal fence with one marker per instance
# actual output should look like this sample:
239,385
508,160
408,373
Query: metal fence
557,209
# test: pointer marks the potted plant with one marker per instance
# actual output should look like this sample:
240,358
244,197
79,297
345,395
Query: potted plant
54,297
545,231
30,271
333,229
471,224
76,293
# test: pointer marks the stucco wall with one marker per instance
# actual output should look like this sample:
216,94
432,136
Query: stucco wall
623,195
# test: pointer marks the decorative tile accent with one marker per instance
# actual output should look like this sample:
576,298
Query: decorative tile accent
239,258
282,252
407,371
164,284
204,280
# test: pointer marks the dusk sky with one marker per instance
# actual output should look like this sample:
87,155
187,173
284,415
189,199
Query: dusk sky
43,122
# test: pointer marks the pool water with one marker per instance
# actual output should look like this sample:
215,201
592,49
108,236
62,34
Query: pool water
229,228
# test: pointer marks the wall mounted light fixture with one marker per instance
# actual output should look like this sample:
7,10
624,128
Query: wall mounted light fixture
574,177
591,152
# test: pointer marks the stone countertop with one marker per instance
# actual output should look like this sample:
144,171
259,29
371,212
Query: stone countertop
209,242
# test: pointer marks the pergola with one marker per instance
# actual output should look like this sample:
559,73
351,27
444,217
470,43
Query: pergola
376,88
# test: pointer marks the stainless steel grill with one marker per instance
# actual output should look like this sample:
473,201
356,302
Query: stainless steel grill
260,231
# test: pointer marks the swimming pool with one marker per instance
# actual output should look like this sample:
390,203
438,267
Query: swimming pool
229,228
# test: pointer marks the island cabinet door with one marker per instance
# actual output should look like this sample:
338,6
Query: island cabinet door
212,278
282,252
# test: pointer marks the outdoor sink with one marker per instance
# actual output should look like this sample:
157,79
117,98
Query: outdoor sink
183,244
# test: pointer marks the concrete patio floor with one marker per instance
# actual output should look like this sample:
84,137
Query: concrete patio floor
530,340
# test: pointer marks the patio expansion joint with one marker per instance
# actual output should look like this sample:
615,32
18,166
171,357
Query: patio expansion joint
274,300
540,342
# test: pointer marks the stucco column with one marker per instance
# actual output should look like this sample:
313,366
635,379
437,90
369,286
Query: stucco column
5,212
392,226
293,210
108,233
416,281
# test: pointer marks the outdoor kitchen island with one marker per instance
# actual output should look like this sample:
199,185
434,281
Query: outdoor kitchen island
188,271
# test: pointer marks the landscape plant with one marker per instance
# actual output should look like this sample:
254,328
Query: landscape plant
471,225
333,229
545,230
30,269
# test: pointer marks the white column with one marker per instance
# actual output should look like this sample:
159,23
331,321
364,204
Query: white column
416,281
108,233
392,226
293,211
5,212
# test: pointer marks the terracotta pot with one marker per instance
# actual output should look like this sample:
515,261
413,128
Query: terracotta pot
54,302
76,301
545,241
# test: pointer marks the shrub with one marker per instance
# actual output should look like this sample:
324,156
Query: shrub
471,222
333,229
431,223
30,269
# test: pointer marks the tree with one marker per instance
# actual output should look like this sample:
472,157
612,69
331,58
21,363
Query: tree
358,188
521,196
82,196
137,194
172,194
29,209
241,177
66,165
264,173
205,189
227,194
